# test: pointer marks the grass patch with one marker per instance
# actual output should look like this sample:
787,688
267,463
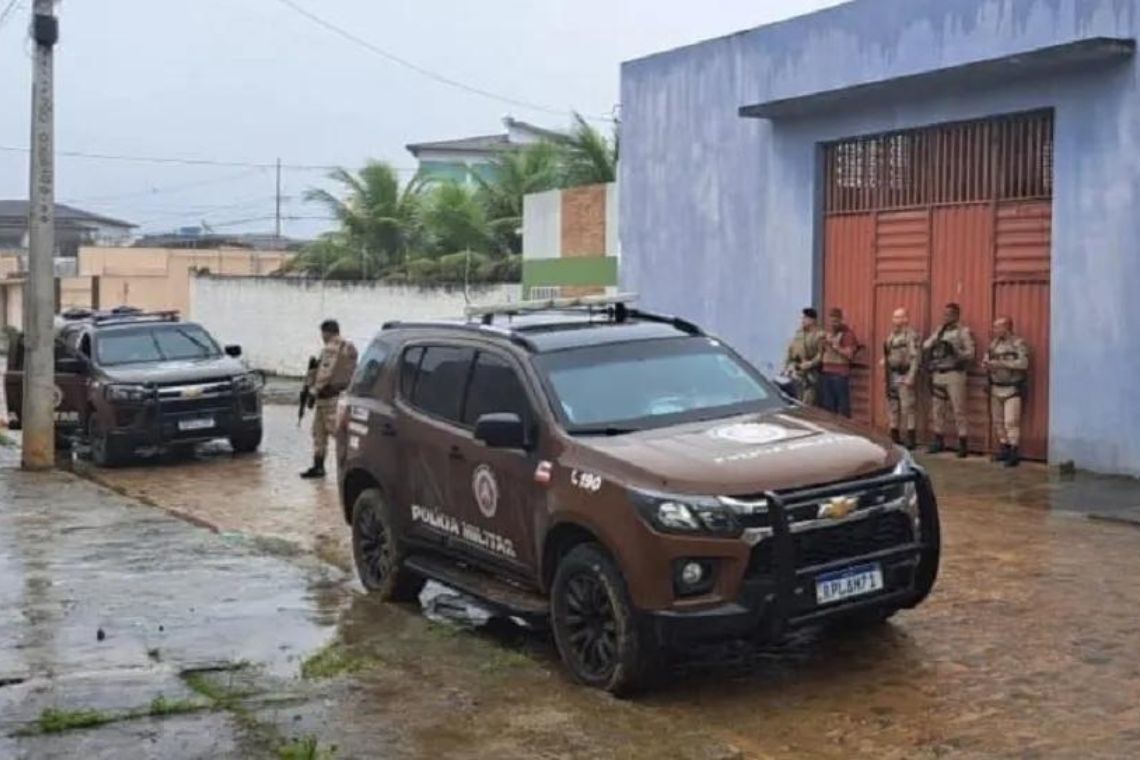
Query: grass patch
163,706
220,695
504,659
307,748
331,661
54,721
6,442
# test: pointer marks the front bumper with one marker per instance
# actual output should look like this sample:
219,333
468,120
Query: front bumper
161,422
779,594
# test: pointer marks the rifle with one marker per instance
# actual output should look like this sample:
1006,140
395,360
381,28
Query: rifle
307,399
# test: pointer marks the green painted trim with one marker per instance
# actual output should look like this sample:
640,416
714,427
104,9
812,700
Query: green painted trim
578,271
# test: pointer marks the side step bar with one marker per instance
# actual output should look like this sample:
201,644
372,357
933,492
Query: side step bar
501,597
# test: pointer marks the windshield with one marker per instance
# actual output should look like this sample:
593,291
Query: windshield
155,343
623,387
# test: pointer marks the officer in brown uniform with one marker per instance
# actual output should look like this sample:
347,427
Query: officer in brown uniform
326,382
949,353
805,354
1007,362
902,356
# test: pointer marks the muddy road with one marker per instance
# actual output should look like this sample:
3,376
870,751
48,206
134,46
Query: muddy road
1026,649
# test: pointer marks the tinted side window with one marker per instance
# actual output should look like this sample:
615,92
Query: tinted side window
495,388
441,380
409,365
367,378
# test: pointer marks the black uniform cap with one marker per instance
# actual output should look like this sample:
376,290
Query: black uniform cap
811,313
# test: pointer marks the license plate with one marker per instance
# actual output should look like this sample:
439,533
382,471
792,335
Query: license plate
204,423
845,584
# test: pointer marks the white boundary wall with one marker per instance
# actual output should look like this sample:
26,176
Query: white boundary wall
276,320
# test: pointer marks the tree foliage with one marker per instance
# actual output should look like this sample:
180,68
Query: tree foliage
430,230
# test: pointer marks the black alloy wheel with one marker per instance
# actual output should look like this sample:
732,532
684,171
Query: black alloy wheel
377,551
591,625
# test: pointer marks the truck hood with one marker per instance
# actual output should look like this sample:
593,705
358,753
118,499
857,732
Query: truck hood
163,373
787,448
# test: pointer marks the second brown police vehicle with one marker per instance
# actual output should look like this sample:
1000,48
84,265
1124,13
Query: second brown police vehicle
128,381
626,477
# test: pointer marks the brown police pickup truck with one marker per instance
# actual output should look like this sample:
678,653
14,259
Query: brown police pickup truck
127,381
626,477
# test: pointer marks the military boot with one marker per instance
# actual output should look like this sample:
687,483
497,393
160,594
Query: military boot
963,448
936,446
911,440
896,437
1014,458
1002,454
316,471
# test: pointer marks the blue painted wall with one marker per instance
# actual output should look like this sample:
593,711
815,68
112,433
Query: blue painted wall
731,202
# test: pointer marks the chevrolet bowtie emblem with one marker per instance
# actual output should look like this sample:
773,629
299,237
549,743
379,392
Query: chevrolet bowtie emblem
192,393
837,508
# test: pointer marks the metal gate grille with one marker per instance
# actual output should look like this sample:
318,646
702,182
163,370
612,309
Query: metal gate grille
1009,158
958,212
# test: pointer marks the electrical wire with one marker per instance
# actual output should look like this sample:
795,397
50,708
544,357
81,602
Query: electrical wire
4,14
166,189
421,70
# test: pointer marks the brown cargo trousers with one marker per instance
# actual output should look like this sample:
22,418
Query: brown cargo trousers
949,395
902,404
1005,411
324,425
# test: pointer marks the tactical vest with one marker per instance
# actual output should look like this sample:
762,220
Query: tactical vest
898,351
1005,351
943,354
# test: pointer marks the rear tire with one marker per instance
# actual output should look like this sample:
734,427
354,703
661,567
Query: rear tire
378,551
600,636
246,441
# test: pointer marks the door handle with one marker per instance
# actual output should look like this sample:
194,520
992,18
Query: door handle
455,453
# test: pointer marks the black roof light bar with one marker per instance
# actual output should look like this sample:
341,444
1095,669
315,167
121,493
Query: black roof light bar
617,303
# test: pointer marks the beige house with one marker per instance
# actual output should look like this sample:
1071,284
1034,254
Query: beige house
148,278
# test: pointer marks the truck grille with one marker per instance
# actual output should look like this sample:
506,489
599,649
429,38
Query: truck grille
799,511
875,533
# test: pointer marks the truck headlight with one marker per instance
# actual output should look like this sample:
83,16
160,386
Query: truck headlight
250,382
122,392
685,514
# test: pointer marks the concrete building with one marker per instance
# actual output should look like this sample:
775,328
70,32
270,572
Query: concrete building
570,242
73,227
907,152
463,158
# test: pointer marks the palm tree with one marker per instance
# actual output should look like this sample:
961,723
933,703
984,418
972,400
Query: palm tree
456,220
381,222
588,156
512,175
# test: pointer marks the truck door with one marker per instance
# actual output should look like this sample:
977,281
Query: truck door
70,392
495,489
433,378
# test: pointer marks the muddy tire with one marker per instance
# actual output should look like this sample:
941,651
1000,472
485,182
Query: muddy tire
246,442
378,552
104,451
600,636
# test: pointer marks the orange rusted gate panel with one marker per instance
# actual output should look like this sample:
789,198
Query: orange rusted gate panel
954,213
847,284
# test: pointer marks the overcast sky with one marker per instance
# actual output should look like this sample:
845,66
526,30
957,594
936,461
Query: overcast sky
253,80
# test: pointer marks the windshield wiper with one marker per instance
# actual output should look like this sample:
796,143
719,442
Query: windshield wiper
607,430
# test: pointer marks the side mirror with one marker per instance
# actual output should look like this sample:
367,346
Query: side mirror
71,366
501,431
234,351
787,386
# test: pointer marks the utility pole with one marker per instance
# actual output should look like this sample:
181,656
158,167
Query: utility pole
38,418
277,228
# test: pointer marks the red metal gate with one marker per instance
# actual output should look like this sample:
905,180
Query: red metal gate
959,212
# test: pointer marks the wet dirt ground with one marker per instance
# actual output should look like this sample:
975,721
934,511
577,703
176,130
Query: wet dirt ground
1026,649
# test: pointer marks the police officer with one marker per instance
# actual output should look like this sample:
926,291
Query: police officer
949,353
805,353
839,348
326,382
1007,362
902,356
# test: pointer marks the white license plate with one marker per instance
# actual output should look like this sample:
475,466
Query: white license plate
204,423
845,584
